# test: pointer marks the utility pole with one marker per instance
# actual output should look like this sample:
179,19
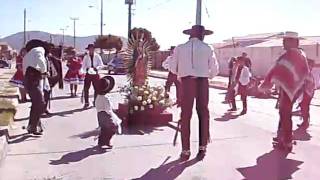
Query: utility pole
129,2
24,26
74,30
101,19
62,29
198,16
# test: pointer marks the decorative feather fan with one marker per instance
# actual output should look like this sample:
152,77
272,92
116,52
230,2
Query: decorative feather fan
140,44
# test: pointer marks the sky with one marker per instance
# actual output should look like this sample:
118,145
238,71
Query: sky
166,19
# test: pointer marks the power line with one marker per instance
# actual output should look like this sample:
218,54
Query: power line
207,11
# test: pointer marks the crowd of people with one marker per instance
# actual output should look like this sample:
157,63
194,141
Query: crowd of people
193,63
190,66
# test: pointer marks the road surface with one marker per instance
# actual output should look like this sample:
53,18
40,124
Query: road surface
240,149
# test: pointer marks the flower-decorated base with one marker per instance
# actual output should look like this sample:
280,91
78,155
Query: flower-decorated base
153,117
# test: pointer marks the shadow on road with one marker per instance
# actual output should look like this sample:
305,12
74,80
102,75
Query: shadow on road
78,155
21,138
61,113
64,113
140,130
272,165
22,119
227,117
168,171
88,134
301,134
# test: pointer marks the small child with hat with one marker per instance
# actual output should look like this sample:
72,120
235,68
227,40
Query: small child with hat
109,122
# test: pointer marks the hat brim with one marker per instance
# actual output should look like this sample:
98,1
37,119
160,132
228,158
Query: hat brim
291,37
191,31
110,86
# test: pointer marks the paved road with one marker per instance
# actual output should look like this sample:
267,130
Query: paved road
241,146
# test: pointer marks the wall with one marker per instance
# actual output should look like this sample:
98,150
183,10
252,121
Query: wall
263,58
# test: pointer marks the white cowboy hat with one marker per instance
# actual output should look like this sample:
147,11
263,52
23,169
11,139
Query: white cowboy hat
291,35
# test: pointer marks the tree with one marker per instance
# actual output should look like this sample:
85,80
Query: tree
109,42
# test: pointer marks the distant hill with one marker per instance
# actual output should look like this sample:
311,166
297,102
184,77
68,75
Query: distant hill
16,40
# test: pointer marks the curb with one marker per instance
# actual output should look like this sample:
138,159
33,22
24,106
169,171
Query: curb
212,83
3,145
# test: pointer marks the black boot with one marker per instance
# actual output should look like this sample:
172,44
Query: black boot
234,106
244,110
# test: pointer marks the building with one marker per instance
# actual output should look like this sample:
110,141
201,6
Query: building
263,50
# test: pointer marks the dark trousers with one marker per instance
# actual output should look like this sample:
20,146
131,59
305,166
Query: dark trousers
37,105
305,107
194,88
87,83
285,112
243,91
108,128
46,95
173,78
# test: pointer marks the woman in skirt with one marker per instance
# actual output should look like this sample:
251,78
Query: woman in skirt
74,75
17,79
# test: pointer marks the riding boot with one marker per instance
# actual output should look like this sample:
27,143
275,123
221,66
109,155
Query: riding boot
244,110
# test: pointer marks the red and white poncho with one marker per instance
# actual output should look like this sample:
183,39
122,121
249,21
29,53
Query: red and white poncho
290,72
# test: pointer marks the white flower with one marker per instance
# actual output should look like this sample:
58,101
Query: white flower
155,93
139,98
149,101
136,87
146,92
144,87
141,108
162,102
144,103
150,106
136,108
162,95
154,98
141,89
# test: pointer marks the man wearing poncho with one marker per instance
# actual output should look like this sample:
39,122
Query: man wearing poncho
289,74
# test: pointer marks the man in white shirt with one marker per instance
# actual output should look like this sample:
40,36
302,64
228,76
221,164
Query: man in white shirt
92,62
194,62
240,84
35,81
172,78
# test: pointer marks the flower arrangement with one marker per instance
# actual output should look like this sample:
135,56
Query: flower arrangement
146,97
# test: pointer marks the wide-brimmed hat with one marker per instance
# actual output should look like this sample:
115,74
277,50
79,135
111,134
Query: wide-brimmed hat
90,46
106,84
290,35
196,29
171,48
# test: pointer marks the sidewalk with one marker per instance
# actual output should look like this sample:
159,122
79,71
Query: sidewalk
217,82
11,93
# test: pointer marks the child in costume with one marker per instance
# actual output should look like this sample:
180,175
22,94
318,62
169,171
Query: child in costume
109,122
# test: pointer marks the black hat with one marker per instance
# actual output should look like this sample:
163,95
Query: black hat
90,46
196,29
105,84
172,48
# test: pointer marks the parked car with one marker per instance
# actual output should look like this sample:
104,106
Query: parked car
116,66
